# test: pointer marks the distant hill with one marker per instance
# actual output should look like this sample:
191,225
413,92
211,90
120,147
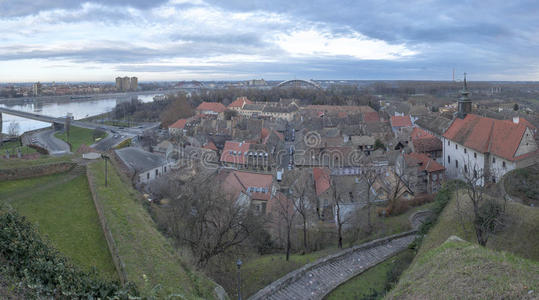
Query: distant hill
463,270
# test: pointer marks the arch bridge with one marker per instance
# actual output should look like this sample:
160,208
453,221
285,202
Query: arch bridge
299,82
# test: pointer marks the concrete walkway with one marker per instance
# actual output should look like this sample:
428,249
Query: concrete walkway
316,280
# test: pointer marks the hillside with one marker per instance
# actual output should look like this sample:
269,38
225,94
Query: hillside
522,183
519,235
463,270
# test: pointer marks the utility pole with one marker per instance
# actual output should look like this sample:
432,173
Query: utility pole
238,263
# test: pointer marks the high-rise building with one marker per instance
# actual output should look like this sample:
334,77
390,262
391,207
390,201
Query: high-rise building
36,89
124,84
134,83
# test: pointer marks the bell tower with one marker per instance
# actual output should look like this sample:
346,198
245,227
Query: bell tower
465,104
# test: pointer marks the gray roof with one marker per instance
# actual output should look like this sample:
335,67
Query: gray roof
436,125
139,160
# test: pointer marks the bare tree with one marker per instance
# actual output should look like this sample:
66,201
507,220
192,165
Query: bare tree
370,175
209,222
286,214
301,191
488,212
341,217
13,128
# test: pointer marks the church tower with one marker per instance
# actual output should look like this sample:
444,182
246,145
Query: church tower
465,104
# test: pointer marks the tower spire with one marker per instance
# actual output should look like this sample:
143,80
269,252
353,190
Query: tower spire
464,103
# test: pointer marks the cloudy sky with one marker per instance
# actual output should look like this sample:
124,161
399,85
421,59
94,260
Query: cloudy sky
69,40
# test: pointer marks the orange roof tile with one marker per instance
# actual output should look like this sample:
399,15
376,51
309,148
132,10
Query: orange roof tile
498,137
426,163
257,186
239,102
401,121
371,117
234,152
179,124
211,106
322,180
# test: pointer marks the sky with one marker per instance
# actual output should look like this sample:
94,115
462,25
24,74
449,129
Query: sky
69,40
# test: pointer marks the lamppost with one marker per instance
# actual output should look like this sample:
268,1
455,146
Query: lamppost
238,263
105,157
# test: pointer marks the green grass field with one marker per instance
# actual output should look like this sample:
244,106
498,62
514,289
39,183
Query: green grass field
63,211
12,146
77,137
462,270
149,258
372,280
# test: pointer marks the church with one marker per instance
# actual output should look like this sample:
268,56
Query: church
485,148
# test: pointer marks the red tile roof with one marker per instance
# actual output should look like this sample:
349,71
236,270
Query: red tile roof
239,102
418,133
371,117
234,152
424,141
211,106
498,137
401,121
257,186
179,124
280,204
210,145
265,133
426,163
322,180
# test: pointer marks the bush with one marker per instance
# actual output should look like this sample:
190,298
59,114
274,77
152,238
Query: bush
44,270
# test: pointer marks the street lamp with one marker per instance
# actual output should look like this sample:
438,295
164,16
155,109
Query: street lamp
238,263
105,157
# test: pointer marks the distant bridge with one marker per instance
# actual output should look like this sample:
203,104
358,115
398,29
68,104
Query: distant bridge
299,82
58,122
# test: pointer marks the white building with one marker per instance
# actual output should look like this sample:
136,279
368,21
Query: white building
486,147
144,165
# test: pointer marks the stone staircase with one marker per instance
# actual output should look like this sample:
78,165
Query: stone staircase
316,280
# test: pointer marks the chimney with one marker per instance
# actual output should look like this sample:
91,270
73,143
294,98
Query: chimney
516,119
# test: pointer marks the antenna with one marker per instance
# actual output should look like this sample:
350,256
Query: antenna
453,74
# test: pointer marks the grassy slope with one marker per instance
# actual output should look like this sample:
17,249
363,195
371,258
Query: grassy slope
77,137
463,270
44,159
149,257
523,184
519,235
11,147
66,215
374,279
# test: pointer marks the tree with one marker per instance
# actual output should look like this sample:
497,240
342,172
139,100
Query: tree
379,145
515,107
341,217
370,175
301,190
178,108
229,114
286,214
13,128
209,222
488,212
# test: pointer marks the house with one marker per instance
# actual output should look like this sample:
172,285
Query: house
238,104
488,147
484,149
424,142
245,155
143,165
322,184
400,122
252,189
371,117
420,173
211,108
364,143
178,127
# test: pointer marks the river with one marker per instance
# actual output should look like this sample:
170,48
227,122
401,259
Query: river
79,108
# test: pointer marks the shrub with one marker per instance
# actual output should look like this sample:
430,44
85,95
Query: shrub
44,270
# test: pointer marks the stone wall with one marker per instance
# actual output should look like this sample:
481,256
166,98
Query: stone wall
35,171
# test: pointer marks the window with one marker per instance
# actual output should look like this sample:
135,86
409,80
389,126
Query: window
474,174
466,169
503,164
165,169
156,172
456,163
448,143
494,160
456,146
448,159
474,155
465,151
148,175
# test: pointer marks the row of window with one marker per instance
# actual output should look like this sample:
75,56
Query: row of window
465,150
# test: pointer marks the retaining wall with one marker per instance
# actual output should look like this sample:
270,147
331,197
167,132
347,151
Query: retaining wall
35,171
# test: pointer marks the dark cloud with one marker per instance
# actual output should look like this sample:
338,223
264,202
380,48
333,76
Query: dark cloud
9,8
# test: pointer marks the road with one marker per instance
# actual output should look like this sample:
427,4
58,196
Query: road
47,140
